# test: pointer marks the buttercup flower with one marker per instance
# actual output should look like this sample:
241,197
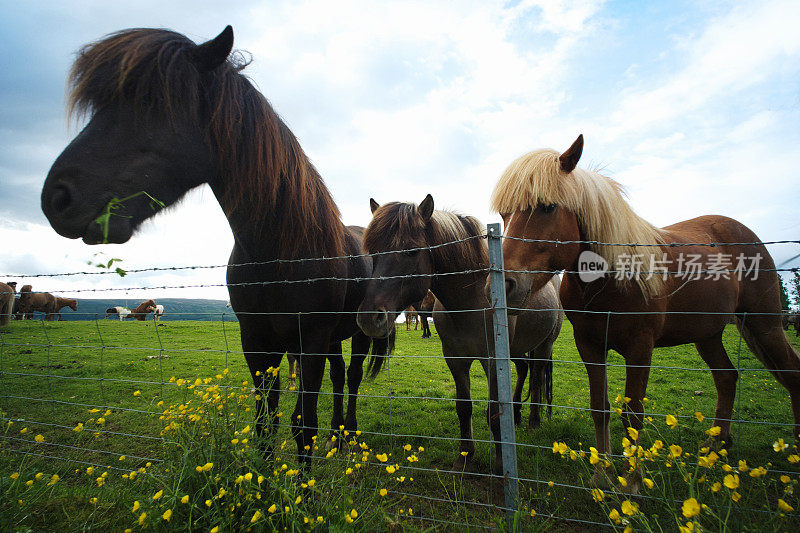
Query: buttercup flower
691,508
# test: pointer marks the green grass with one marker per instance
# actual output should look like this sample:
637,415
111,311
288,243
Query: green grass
85,365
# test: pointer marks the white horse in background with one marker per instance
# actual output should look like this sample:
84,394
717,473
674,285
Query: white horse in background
121,312
158,311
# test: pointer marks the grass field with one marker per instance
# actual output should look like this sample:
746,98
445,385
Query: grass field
54,373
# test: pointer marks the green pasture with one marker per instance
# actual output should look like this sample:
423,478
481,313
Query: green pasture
79,366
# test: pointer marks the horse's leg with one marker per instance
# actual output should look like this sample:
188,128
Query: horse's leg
355,373
493,411
725,376
638,356
459,368
522,373
337,379
769,343
541,382
637,374
263,359
304,419
593,356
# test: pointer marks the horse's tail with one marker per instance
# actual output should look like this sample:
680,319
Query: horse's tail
381,349
546,382
548,385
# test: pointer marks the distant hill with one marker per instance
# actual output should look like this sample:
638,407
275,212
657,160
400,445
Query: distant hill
174,309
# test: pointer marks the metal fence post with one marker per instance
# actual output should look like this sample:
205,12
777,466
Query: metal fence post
502,356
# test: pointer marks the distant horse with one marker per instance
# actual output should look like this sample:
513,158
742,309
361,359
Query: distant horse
425,311
462,315
158,312
569,212
61,303
118,311
143,309
30,301
167,115
6,303
411,317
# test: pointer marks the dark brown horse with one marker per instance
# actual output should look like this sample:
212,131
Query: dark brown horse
30,301
7,299
167,115
546,197
455,273
141,312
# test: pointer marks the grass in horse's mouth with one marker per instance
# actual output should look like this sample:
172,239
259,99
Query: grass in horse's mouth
104,219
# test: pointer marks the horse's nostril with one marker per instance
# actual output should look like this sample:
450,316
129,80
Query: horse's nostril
60,198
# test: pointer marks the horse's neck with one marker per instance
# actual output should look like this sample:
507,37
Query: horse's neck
460,291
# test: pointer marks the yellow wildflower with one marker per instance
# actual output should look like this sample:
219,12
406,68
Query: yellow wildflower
648,482
785,507
713,431
615,516
158,495
382,457
699,416
629,508
672,421
137,393
256,516
142,518
167,515
272,508
39,438
736,496
383,492
731,481
634,434
185,499
135,506
598,495
691,508
675,450
716,487
779,445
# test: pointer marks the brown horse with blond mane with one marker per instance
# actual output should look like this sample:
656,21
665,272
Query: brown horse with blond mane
564,211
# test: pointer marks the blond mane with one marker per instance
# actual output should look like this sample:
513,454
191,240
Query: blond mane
599,202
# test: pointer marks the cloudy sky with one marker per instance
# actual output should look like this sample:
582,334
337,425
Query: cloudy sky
693,106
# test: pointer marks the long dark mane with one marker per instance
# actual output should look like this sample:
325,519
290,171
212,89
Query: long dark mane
262,165
398,226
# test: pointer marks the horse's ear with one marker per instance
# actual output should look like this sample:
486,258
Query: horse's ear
373,205
426,208
569,159
213,53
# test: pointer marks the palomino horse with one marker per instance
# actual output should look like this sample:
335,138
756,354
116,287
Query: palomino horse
141,312
461,314
30,301
167,115
568,212
61,303
6,303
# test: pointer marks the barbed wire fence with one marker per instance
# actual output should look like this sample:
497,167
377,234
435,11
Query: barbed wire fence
31,399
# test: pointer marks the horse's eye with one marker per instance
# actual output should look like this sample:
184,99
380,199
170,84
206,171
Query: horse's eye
549,208
412,253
